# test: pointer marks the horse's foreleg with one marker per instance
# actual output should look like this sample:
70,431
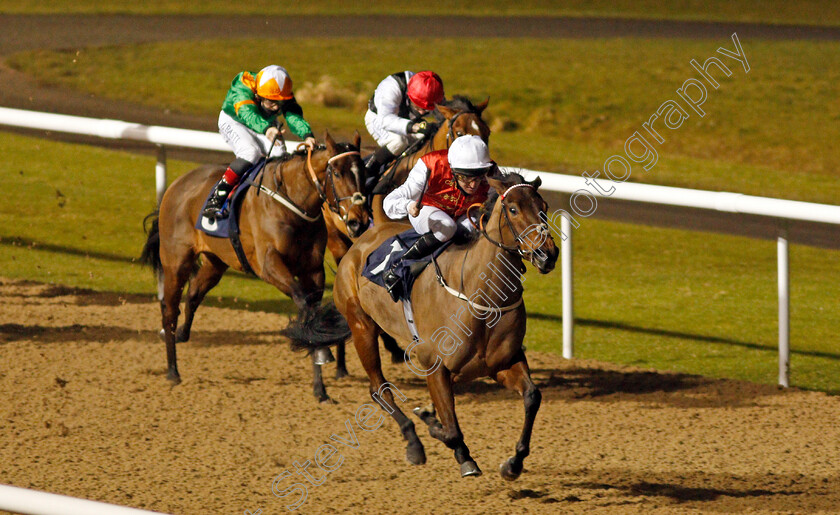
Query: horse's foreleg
306,293
206,279
397,353
367,347
518,378
276,273
173,285
447,430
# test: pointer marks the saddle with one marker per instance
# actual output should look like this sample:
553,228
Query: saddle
227,226
389,252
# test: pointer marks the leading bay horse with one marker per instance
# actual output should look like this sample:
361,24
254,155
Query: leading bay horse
281,229
472,327
460,117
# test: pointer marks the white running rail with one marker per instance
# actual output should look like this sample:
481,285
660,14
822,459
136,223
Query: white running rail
719,201
33,502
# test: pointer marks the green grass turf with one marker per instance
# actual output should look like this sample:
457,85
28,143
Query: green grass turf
674,300
567,104
811,12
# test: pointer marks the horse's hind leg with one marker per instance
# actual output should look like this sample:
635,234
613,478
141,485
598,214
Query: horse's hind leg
518,378
365,340
175,276
447,430
206,279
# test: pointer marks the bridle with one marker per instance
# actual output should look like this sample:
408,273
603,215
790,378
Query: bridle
356,199
542,228
336,207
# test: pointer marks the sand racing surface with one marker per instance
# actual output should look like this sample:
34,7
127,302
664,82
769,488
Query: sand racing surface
86,411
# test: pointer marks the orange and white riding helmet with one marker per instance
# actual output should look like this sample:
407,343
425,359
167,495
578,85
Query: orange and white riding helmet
274,83
425,89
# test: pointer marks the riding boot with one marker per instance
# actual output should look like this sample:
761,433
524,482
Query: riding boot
213,209
380,158
424,246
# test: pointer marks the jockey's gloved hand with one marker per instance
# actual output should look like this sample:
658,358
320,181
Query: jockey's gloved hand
422,127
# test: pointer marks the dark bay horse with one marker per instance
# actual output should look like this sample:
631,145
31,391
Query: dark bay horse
285,248
476,334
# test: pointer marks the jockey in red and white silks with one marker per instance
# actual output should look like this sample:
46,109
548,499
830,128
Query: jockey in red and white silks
446,183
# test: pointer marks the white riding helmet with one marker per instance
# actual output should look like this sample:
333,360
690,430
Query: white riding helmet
469,156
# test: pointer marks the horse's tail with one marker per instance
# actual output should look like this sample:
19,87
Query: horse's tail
151,250
316,328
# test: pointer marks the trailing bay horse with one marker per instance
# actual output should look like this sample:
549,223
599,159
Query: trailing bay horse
472,326
282,233
460,117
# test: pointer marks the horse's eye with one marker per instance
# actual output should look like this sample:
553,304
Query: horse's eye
512,210
459,133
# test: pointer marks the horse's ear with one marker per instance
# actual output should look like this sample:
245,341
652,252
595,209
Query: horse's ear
496,184
330,143
357,140
482,106
536,183
446,111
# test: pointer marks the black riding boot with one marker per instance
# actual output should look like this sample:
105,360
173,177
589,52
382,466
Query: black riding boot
381,157
424,246
213,208
223,188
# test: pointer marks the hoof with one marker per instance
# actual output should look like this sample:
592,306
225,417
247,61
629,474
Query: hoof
415,454
322,356
327,400
509,470
181,335
341,372
469,468
173,378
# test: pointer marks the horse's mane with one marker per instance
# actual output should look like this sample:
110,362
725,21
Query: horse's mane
301,152
458,103
507,179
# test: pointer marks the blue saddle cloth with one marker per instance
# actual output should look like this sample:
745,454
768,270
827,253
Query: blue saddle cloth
224,227
390,251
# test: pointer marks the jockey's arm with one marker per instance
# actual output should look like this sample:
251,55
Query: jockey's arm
388,97
396,203
293,114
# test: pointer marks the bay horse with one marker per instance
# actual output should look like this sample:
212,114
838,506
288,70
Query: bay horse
282,232
459,117
477,333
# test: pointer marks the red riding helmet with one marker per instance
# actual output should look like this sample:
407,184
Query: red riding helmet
425,89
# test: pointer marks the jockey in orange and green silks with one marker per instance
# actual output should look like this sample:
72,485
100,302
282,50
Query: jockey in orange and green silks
247,123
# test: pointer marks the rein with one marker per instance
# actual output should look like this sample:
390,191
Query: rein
357,198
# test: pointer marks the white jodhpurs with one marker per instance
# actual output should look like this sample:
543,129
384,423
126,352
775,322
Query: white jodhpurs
394,142
246,144
438,222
